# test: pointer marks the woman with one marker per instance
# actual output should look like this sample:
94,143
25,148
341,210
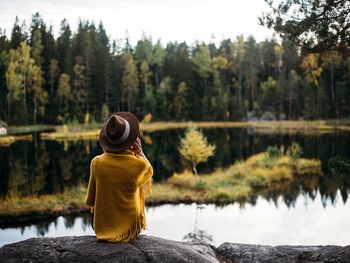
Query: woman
120,178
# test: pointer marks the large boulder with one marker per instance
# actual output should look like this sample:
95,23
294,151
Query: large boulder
241,253
155,249
87,249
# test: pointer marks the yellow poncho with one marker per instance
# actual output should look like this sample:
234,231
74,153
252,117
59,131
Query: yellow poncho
117,188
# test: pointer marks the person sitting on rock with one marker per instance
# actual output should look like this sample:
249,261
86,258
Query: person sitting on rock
120,178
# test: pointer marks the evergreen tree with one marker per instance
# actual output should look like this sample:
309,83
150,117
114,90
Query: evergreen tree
4,48
18,34
180,103
251,71
158,61
266,79
64,49
240,50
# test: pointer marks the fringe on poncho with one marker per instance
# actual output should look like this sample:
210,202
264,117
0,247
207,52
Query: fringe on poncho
117,189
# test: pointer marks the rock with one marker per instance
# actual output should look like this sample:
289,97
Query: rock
241,253
155,249
87,249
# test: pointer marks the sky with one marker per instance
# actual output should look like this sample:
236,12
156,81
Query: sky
167,20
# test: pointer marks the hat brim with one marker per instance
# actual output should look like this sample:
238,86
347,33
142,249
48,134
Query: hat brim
134,133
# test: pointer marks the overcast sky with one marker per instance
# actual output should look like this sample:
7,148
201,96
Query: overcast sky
168,20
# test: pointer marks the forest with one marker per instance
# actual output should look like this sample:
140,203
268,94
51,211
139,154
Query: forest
82,76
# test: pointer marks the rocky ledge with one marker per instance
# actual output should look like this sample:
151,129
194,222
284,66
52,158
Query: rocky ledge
154,249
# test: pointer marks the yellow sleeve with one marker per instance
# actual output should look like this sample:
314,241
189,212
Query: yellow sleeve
91,191
146,173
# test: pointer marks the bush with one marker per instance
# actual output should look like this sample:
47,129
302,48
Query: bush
273,152
339,166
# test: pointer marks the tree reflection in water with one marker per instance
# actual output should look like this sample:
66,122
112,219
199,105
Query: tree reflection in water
69,221
198,235
49,167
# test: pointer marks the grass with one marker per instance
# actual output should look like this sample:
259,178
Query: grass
8,140
80,131
20,206
24,129
69,132
76,131
239,182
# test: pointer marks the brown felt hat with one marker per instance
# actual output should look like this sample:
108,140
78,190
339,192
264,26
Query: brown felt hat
119,132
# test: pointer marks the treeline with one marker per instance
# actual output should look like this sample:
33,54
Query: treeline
83,76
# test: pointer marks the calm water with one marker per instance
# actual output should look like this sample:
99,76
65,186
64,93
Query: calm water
311,210
307,222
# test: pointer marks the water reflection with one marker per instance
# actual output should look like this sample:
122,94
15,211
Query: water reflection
41,167
268,223
198,235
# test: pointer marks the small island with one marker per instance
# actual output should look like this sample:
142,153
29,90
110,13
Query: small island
243,181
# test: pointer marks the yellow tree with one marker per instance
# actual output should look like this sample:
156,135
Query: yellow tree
40,96
311,68
195,148
312,71
23,75
64,95
13,81
53,73
145,74
130,81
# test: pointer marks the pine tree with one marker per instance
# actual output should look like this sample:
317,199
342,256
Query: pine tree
180,103
158,61
64,49
18,34
239,47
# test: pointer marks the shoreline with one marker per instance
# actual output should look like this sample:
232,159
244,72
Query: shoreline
264,127
86,132
35,217
241,182
6,141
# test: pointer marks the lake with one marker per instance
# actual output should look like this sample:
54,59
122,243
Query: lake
310,212
307,222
